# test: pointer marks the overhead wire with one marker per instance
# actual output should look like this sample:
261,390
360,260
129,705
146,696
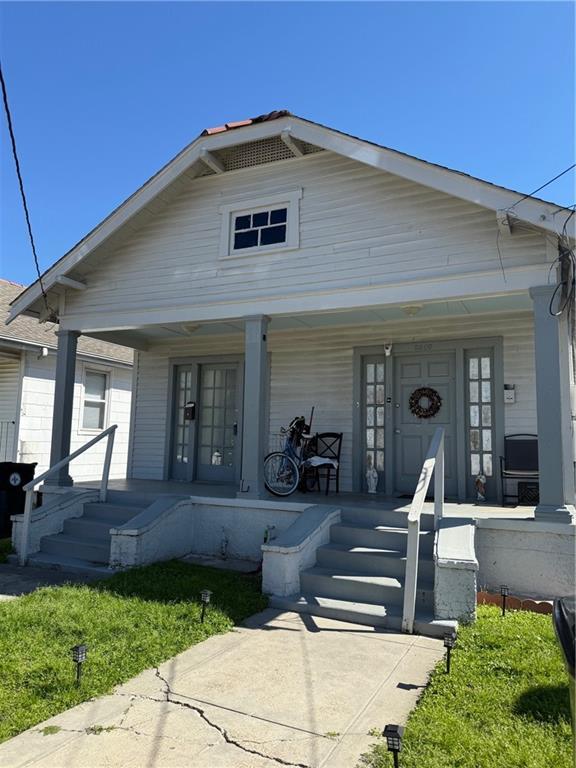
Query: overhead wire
531,194
49,309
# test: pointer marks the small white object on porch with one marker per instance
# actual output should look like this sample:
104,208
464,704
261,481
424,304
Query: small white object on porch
553,403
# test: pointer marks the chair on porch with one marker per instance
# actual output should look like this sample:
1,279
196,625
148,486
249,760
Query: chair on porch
520,462
323,455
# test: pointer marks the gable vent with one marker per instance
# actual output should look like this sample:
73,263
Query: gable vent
258,153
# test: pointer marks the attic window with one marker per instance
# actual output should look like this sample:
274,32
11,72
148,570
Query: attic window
254,230
260,226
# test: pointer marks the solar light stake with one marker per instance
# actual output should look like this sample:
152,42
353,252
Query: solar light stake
449,643
79,653
504,591
393,735
205,596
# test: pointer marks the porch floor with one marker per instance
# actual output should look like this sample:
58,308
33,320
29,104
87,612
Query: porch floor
156,488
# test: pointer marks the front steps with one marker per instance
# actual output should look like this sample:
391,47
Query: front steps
359,574
84,543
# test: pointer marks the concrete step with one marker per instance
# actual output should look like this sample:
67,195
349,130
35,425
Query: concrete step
368,614
116,514
133,499
383,562
88,529
62,563
62,545
379,515
360,587
380,537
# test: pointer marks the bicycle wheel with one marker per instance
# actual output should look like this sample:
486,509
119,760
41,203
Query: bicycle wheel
281,475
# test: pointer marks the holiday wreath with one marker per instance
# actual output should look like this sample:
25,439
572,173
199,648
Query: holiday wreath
425,411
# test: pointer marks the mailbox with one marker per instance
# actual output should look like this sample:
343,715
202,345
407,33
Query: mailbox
190,411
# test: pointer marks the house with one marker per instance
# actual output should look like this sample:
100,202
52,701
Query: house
276,264
102,386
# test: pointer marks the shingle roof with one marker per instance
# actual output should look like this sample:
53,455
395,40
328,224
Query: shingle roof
30,331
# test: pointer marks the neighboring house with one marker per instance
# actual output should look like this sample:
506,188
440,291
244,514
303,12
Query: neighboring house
275,265
103,380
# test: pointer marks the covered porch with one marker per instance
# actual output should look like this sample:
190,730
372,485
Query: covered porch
210,398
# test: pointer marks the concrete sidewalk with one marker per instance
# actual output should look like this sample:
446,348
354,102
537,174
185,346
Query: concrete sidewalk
282,690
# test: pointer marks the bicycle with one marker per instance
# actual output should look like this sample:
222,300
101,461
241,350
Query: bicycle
283,470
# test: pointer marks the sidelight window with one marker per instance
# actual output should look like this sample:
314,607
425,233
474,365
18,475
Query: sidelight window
480,380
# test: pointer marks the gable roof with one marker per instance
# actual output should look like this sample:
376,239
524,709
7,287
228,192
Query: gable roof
539,213
27,331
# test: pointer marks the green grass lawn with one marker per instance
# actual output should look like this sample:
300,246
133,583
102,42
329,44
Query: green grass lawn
132,621
5,549
505,703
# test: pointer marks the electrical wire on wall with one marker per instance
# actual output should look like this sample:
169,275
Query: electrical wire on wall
563,300
51,313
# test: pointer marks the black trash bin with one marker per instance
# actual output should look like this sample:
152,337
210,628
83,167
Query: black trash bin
13,477
564,616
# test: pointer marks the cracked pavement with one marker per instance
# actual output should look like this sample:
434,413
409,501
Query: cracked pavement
281,690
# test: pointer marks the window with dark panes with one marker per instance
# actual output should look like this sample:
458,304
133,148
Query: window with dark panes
262,228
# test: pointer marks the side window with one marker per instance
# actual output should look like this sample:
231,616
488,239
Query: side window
95,396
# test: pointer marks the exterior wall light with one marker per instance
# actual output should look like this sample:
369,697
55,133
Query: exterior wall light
205,596
79,653
449,643
393,735
504,592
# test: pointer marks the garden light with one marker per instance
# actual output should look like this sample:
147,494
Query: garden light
393,735
205,596
504,591
79,653
449,643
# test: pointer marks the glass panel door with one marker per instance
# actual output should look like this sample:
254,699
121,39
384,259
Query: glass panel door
182,442
218,422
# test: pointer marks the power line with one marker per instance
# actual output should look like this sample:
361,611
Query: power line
21,185
542,187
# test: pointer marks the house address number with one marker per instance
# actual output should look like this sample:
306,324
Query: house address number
427,347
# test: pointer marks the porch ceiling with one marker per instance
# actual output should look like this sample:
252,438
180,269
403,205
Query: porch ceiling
455,308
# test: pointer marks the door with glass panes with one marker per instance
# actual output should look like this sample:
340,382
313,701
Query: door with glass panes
206,431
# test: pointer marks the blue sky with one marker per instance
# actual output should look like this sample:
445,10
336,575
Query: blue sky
103,94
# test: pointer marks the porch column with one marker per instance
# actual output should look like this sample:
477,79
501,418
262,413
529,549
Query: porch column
63,403
255,406
553,385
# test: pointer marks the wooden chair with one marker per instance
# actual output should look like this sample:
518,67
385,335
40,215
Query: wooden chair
520,461
327,446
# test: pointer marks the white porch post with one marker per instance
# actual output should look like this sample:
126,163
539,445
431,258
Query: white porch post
255,406
553,384
63,403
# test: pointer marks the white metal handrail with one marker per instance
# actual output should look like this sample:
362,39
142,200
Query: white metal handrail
433,464
29,487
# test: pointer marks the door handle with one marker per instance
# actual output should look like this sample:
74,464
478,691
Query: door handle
235,428
396,431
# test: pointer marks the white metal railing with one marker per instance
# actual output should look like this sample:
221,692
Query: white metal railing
30,487
433,464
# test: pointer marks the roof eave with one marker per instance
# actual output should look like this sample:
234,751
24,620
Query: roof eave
537,212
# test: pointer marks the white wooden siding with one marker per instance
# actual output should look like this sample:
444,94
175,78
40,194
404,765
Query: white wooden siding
36,417
9,389
359,227
316,368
